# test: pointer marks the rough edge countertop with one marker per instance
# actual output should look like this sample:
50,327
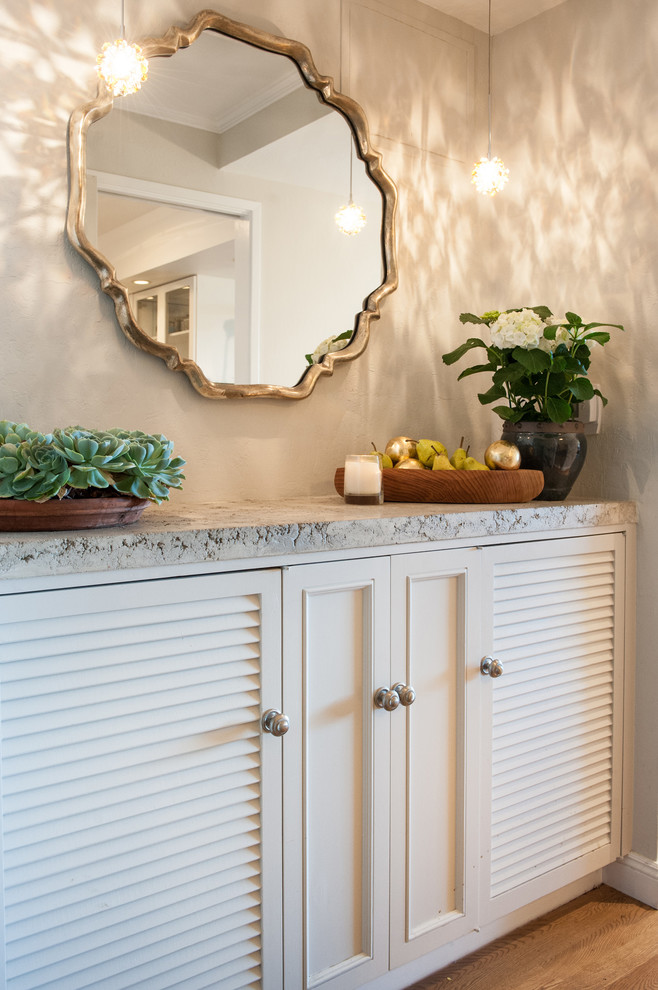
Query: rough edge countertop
167,535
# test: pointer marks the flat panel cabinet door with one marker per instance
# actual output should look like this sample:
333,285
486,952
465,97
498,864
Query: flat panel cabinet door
336,766
435,649
554,715
140,798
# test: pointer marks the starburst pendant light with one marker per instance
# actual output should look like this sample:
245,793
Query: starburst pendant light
122,66
489,174
350,219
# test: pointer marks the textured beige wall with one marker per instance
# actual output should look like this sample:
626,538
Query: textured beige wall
575,112
576,97
65,360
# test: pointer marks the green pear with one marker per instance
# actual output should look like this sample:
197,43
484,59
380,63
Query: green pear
442,463
459,456
384,460
470,464
426,451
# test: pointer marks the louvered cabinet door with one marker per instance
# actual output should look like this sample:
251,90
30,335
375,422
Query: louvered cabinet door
140,798
554,715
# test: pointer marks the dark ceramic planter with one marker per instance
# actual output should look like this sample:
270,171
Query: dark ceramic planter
556,449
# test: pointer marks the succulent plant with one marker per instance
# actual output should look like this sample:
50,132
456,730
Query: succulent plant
94,457
37,466
30,467
152,470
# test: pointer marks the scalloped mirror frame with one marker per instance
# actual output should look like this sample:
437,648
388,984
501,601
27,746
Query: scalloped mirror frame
85,115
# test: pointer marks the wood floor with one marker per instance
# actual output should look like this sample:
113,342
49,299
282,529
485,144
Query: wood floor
603,939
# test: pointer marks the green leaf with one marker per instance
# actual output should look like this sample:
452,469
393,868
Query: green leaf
495,392
550,332
137,452
575,321
573,365
84,476
533,360
87,447
511,415
601,396
615,326
543,312
463,349
557,382
470,318
559,410
475,370
509,373
599,335
582,389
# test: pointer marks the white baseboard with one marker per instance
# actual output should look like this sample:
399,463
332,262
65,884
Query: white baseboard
636,876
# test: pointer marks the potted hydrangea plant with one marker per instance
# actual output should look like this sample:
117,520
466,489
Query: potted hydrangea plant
72,470
539,366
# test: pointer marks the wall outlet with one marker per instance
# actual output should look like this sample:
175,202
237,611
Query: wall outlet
590,414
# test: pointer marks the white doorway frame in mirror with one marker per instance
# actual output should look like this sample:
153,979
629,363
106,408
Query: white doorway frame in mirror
248,250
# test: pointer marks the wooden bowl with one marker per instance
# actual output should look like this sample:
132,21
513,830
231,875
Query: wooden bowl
484,487
19,516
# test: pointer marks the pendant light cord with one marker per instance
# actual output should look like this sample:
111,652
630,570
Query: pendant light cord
340,82
489,85
351,158
123,24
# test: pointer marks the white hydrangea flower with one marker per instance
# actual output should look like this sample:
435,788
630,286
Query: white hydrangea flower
327,347
561,335
523,329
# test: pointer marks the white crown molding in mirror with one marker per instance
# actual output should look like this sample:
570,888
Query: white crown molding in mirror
78,219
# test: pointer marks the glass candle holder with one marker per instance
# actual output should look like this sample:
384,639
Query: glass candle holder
363,480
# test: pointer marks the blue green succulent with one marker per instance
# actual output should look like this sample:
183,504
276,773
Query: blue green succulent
37,466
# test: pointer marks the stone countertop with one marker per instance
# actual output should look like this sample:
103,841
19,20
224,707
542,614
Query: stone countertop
167,535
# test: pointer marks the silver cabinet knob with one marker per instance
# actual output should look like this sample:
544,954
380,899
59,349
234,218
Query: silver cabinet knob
387,698
493,668
275,722
406,694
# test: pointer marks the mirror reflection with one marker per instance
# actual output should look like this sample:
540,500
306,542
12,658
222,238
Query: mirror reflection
213,191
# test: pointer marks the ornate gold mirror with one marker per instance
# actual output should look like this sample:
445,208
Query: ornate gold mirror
214,191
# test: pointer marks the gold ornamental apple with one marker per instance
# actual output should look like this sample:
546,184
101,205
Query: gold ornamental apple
501,455
409,464
400,447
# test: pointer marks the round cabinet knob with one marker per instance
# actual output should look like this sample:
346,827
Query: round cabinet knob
406,694
387,698
275,722
493,668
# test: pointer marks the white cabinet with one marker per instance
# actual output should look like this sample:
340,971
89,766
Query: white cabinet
336,771
407,829
168,313
139,795
552,763
381,804
154,835
435,610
